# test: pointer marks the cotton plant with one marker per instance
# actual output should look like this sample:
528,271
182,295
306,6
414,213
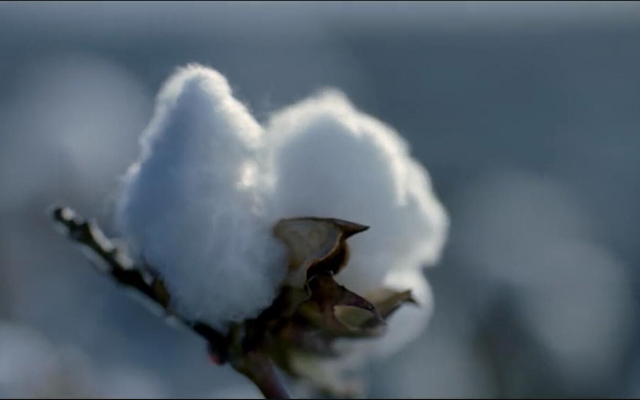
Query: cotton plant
295,243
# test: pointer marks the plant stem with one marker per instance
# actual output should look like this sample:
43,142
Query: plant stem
259,369
254,365
125,272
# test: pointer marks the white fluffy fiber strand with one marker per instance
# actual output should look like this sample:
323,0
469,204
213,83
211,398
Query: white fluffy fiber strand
190,209
211,182
329,159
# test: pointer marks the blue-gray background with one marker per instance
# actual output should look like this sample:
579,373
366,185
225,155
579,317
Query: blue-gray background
527,116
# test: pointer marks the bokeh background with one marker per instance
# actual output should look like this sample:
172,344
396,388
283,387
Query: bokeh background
527,116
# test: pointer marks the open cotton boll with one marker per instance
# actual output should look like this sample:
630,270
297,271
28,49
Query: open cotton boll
191,206
200,204
329,159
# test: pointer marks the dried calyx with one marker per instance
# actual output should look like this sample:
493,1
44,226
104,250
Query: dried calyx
299,329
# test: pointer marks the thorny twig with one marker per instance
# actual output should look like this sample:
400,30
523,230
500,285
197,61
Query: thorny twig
254,365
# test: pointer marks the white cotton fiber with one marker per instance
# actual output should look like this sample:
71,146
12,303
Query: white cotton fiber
211,182
330,160
191,206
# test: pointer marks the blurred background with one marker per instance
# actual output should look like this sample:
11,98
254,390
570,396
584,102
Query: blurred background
527,116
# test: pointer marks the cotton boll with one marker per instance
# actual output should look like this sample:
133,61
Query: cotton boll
200,204
329,159
191,206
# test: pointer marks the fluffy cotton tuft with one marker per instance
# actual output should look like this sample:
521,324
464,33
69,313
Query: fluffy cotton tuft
329,159
191,206
211,182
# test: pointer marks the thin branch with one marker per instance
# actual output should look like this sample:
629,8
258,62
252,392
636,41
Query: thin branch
124,271
254,365
260,370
